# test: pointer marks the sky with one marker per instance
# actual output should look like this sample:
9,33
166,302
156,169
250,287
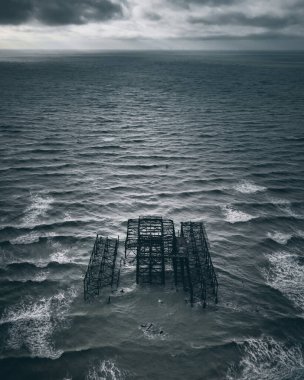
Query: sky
152,24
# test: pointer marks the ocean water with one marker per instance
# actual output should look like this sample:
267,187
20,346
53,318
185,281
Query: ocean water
89,140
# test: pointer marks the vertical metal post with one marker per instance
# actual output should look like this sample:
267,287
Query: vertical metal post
138,251
163,276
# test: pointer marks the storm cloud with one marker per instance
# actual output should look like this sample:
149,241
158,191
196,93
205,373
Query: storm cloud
237,18
149,23
57,12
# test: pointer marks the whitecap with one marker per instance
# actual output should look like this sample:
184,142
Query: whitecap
61,257
67,217
32,237
286,274
300,234
267,359
32,323
105,370
236,216
60,254
280,201
284,206
247,187
42,276
108,139
279,237
39,205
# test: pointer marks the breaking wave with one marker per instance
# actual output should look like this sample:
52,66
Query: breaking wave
284,205
236,216
279,237
105,370
286,274
247,187
39,205
268,359
31,237
32,323
61,255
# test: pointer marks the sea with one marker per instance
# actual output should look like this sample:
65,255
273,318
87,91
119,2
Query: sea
91,139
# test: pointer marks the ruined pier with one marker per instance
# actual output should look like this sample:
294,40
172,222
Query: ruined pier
102,271
159,256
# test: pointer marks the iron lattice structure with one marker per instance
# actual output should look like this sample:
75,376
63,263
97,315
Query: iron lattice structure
101,271
201,278
150,242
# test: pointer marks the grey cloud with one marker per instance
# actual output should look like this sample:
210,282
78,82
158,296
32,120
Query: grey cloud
211,3
266,21
153,16
57,12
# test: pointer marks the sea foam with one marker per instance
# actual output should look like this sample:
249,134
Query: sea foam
286,275
105,370
236,216
247,187
267,359
32,323
38,207
279,237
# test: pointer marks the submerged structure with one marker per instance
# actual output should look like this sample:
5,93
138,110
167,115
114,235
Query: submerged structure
159,257
102,271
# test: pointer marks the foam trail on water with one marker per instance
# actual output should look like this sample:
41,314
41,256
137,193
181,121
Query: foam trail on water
268,359
32,323
247,187
286,275
236,216
105,370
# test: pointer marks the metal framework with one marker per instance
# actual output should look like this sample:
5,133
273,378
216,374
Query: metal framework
201,277
101,271
150,242
152,245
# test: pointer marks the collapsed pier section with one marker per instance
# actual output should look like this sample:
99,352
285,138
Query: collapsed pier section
101,271
202,280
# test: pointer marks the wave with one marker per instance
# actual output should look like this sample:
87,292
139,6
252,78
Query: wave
40,204
54,256
236,216
40,237
105,370
284,205
25,229
247,187
286,275
31,323
279,237
28,265
30,238
39,278
267,359
108,139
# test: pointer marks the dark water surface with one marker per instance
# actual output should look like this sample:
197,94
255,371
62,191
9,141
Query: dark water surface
85,140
